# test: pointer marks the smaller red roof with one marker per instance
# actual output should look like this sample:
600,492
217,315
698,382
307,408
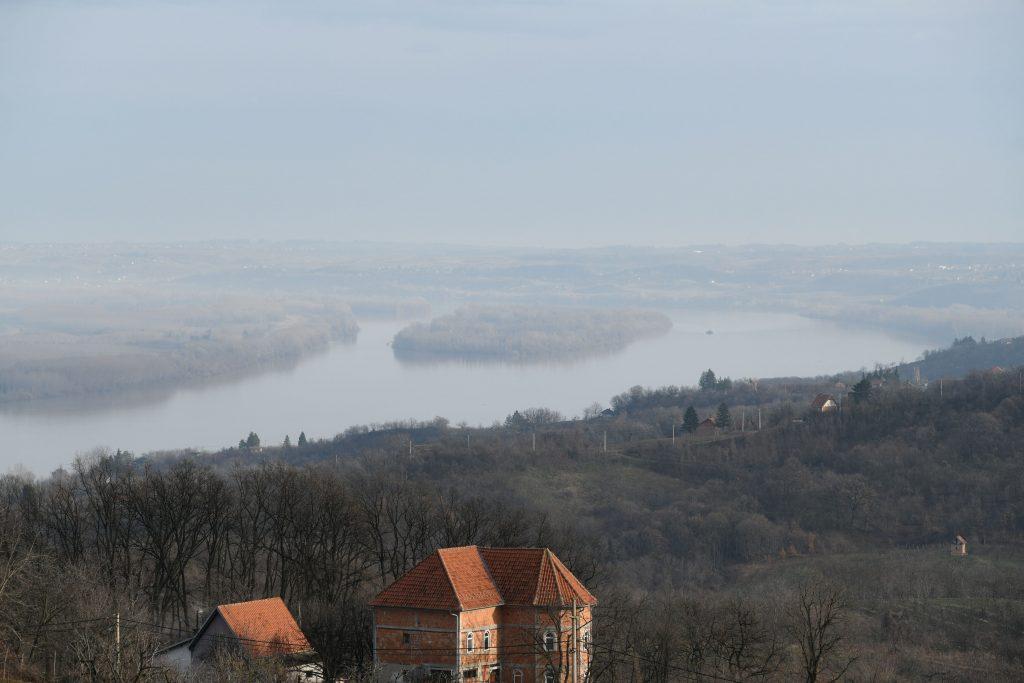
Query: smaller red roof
820,400
263,627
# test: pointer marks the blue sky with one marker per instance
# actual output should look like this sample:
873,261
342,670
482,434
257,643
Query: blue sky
512,122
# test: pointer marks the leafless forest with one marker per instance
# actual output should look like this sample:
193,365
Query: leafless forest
814,546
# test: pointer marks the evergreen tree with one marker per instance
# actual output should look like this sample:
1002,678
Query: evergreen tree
287,441
723,419
302,438
862,390
253,440
690,420
708,380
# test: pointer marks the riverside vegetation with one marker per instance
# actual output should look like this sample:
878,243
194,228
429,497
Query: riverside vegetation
87,345
518,333
814,547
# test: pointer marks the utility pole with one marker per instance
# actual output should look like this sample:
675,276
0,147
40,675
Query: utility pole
758,419
743,420
535,442
117,644
410,446
940,388
606,441
575,643
673,433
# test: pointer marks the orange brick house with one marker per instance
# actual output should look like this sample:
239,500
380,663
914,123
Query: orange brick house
484,614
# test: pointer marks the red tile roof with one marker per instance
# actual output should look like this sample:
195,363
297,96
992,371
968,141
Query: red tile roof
263,627
471,577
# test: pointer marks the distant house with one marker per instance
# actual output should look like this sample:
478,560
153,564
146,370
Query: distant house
707,428
257,629
959,547
824,403
608,412
484,614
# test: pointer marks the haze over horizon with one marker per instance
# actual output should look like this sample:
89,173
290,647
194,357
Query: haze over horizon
510,123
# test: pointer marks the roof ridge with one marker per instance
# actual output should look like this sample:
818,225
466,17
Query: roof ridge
448,575
540,575
247,602
556,575
490,575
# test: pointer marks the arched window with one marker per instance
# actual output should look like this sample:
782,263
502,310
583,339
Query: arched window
469,642
549,676
517,676
487,640
586,640
549,641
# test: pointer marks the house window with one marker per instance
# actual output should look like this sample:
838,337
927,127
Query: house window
549,641
406,638
469,673
469,642
517,676
549,676
586,640
487,640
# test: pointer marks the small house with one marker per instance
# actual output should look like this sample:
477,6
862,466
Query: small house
959,547
707,428
824,403
257,629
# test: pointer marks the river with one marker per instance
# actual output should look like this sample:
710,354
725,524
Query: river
363,383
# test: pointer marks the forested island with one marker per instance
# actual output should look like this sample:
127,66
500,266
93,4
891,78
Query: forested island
522,334
89,345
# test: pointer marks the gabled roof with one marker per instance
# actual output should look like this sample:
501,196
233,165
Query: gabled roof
820,400
470,578
263,627
534,576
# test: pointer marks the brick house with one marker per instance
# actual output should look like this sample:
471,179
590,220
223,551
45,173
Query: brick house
484,614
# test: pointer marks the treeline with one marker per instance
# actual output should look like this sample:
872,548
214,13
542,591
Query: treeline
161,546
964,355
706,555
518,333
145,359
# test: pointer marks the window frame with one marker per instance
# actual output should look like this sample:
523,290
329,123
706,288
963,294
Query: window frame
487,639
470,645
550,641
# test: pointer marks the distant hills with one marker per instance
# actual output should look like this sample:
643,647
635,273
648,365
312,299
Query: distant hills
966,355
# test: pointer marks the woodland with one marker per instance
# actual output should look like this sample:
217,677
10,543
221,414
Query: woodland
808,546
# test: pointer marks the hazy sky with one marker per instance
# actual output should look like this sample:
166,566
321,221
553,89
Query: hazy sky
518,122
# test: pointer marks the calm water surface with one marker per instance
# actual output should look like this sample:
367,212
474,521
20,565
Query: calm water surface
363,383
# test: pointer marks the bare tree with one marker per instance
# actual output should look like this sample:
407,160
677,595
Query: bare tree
815,619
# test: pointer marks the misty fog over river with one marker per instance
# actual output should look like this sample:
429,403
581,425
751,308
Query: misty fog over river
363,383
